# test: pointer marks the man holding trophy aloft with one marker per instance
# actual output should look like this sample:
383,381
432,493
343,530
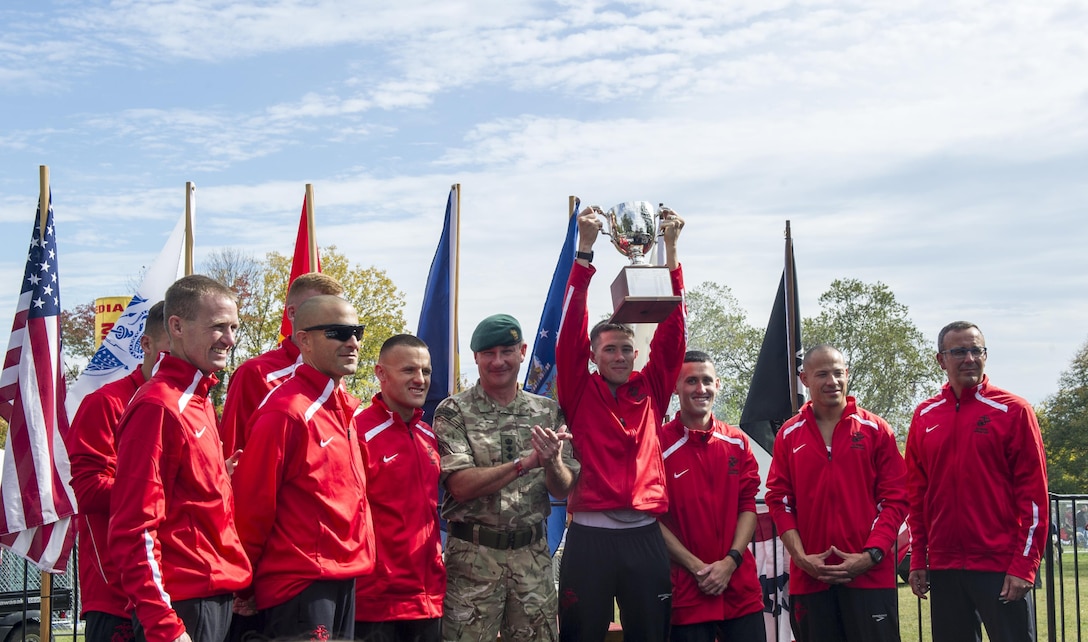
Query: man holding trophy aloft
614,547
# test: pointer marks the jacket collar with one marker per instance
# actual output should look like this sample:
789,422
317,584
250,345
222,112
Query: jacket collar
379,402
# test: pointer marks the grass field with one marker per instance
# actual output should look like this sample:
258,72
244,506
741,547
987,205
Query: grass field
913,611
1066,616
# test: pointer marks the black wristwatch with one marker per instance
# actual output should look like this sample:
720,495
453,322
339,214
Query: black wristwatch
875,554
588,256
735,555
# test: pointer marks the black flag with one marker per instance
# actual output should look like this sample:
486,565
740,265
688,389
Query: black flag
773,394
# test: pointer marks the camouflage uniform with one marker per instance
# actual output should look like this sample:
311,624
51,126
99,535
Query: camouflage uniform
487,588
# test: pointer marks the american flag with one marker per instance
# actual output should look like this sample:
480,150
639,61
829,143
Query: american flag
38,502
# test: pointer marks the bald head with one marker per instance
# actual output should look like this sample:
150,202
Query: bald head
330,345
306,286
818,351
826,376
321,310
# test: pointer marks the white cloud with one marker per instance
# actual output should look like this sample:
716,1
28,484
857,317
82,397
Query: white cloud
935,147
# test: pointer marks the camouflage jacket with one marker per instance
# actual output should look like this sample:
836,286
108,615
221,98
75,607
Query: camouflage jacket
475,431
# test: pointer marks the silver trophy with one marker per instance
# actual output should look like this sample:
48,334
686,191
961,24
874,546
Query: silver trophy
642,293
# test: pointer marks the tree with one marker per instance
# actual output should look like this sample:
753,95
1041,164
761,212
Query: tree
245,275
1063,419
262,289
717,325
891,364
77,332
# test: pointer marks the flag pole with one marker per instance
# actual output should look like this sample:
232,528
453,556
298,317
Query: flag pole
310,227
43,199
791,297
190,193
46,587
572,204
456,249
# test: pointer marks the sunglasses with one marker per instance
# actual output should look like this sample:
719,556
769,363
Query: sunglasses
339,331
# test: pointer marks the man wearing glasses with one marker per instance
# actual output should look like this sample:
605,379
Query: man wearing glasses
251,382
300,490
977,488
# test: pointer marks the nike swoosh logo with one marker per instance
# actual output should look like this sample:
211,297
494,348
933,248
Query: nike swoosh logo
326,442
680,474
932,428
799,447
200,433
386,460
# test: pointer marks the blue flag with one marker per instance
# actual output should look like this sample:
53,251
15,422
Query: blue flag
540,379
438,316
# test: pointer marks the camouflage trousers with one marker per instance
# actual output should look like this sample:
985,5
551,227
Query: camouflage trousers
490,590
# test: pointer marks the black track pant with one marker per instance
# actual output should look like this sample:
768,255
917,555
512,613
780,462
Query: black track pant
324,610
206,619
959,599
842,614
630,566
746,628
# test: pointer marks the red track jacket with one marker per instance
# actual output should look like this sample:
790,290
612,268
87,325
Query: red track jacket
172,532
977,483
853,498
301,490
247,388
402,468
616,436
93,455
712,477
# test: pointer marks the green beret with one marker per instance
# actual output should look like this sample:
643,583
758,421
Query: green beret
496,330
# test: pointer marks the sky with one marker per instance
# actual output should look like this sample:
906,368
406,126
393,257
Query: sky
940,148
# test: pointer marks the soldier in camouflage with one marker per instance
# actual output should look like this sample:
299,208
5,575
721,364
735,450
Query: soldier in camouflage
502,454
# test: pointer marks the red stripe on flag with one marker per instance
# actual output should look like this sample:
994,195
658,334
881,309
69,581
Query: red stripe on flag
38,501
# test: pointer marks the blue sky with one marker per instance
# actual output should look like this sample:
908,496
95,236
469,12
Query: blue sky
938,147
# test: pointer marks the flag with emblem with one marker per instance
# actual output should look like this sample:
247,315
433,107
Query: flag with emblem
438,315
120,352
38,502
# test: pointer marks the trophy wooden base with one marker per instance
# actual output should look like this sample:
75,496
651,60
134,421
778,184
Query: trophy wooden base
643,294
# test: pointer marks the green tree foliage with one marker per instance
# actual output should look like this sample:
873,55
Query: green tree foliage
718,326
1063,418
262,290
77,331
892,365
244,274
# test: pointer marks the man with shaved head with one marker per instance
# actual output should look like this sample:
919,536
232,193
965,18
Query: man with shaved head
836,492
251,382
300,485
402,599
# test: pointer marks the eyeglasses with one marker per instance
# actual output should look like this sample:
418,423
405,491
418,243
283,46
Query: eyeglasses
339,331
961,353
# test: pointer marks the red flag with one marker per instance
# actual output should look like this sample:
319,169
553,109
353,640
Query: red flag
300,264
38,501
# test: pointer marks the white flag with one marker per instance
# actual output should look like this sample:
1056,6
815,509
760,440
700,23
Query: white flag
120,352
